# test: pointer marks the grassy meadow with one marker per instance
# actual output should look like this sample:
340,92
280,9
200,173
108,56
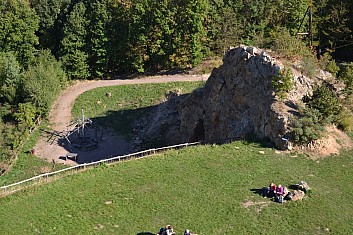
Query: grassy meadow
118,106
209,189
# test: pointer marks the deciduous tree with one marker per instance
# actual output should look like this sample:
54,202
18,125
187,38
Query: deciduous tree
18,24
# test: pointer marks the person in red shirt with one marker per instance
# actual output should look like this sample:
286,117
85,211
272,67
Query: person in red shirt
269,191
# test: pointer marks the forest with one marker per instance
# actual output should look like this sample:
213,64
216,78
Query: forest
46,43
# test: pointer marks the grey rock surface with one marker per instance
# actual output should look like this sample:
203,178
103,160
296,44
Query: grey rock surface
238,100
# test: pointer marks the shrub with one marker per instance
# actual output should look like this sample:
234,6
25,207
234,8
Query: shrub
326,102
26,114
309,65
344,120
328,64
43,82
292,48
285,44
346,75
348,102
282,82
307,126
322,108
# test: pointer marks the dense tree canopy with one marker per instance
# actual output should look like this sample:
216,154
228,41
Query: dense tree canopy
18,24
100,38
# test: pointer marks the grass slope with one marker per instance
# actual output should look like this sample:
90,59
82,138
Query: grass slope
202,188
119,106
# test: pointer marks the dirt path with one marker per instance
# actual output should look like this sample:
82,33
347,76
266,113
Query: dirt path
60,117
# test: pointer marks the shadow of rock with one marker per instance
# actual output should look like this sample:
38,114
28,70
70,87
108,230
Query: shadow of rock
291,104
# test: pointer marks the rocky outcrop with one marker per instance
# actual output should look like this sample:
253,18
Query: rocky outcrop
238,100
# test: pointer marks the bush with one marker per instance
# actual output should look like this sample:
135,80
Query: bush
26,115
43,82
344,120
328,64
309,65
292,48
282,82
286,45
348,102
307,126
346,75
323,107
326,102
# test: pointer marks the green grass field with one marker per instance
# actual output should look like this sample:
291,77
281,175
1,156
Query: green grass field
203,188
125,103
208,189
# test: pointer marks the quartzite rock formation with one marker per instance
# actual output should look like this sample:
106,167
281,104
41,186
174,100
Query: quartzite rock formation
238,100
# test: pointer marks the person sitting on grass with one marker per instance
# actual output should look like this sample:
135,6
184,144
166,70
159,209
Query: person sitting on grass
167,230
269,191
279,194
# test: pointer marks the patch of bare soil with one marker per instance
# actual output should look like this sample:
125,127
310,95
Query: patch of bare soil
259,205
111,144
331,144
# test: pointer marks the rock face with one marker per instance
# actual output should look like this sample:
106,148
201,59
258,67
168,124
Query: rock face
238,100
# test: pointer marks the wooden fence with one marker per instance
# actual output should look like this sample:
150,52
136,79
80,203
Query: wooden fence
44,178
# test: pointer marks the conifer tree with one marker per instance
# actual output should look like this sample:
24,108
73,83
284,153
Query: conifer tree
10,78
51,14
72,52
118,31
97,38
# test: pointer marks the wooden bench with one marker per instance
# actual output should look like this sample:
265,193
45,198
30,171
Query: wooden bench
72,156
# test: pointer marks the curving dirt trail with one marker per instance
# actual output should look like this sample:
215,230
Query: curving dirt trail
60,117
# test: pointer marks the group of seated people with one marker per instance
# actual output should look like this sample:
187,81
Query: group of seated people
168,230
274,191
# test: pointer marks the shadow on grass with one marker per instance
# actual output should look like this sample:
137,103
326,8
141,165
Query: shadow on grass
145,233
293,187
122,120
257,191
